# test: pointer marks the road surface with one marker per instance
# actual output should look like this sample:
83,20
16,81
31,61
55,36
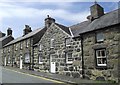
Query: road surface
14,77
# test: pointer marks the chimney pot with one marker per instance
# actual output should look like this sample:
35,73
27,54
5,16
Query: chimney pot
49,21
9,31
27,29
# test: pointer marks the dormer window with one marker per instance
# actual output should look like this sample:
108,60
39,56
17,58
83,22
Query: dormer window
52,43
99,37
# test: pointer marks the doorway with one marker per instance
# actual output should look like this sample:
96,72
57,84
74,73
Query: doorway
21,62
52,64
5,63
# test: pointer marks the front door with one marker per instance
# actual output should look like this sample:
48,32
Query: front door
52,64
5,63
21,62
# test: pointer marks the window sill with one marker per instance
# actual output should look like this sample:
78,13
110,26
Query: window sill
100,41
51,47
68,45
40,62
69,62
101,67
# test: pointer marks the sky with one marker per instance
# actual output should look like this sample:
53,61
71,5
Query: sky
16,15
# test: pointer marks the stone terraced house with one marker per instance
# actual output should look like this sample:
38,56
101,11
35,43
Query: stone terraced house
89,49
101,44
3,41
19,52
57,51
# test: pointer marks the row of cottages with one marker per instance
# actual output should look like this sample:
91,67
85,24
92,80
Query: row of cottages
19,52
3,41
89,49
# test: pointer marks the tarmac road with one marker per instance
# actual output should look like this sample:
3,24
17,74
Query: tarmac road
11,77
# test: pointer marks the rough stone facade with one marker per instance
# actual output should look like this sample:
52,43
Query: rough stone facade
58,52
3,41
17,51
88,49
111,44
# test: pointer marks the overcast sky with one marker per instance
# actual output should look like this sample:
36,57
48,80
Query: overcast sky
17,14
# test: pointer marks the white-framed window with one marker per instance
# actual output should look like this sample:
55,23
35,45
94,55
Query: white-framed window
40,59
8,49
40,47
27,58
21,45
27,44
15,46
99,37
67,41
101,57
69,59
52,43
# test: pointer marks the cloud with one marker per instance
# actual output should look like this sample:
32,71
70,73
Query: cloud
7,10
58,0
16,16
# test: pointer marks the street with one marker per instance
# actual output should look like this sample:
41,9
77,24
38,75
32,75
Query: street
14,77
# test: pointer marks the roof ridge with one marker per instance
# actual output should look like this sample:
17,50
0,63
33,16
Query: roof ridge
62,25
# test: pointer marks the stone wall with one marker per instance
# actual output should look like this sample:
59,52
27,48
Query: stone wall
111,43
58,52
16,50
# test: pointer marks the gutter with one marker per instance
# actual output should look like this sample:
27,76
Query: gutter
83,72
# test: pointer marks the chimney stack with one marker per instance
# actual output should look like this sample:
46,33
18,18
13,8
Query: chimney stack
27,29
96,11
49,21
9,31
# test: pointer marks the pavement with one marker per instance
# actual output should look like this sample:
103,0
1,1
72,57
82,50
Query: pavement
58,77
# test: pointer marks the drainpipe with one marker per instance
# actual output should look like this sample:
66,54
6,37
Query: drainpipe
12,54
83,73
32,57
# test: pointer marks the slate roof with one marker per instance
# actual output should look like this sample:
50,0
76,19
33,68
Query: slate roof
64,28
31,34
37,34
79,27
106,20
2,38
5,37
